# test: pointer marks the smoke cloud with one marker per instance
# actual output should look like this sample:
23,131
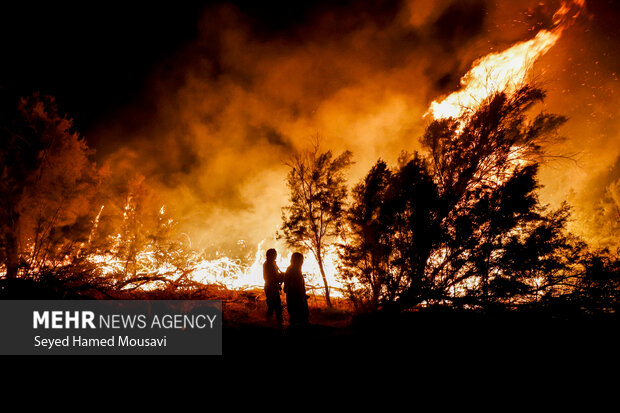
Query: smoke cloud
219,120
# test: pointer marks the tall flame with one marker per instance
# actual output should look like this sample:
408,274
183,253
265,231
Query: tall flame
503,71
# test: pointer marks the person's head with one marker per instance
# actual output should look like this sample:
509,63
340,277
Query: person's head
297,259
271,254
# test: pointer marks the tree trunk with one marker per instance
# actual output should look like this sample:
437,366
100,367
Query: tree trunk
327,300
11,254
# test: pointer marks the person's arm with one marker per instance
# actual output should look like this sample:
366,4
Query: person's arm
285,280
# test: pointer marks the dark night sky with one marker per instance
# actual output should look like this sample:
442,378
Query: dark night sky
92,58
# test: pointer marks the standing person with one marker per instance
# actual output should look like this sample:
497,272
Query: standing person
273,279
295,289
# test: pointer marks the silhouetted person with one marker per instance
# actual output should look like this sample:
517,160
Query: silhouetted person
273,279
295,289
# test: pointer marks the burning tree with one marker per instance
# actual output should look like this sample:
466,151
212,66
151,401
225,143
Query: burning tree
463,222
58,215
318,192
47,185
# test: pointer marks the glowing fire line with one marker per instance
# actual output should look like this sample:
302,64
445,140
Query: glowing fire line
223,271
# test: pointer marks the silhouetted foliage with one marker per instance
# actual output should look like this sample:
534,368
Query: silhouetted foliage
598,289
463,224
391,226
367,254
313,218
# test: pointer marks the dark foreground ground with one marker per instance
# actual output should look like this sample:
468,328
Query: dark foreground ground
415,342
443,336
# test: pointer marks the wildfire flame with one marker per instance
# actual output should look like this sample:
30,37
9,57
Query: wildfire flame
223,271
503,71
234,275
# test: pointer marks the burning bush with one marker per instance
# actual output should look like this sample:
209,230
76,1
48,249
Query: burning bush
47,188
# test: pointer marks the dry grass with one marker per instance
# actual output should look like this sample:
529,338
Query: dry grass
249,306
